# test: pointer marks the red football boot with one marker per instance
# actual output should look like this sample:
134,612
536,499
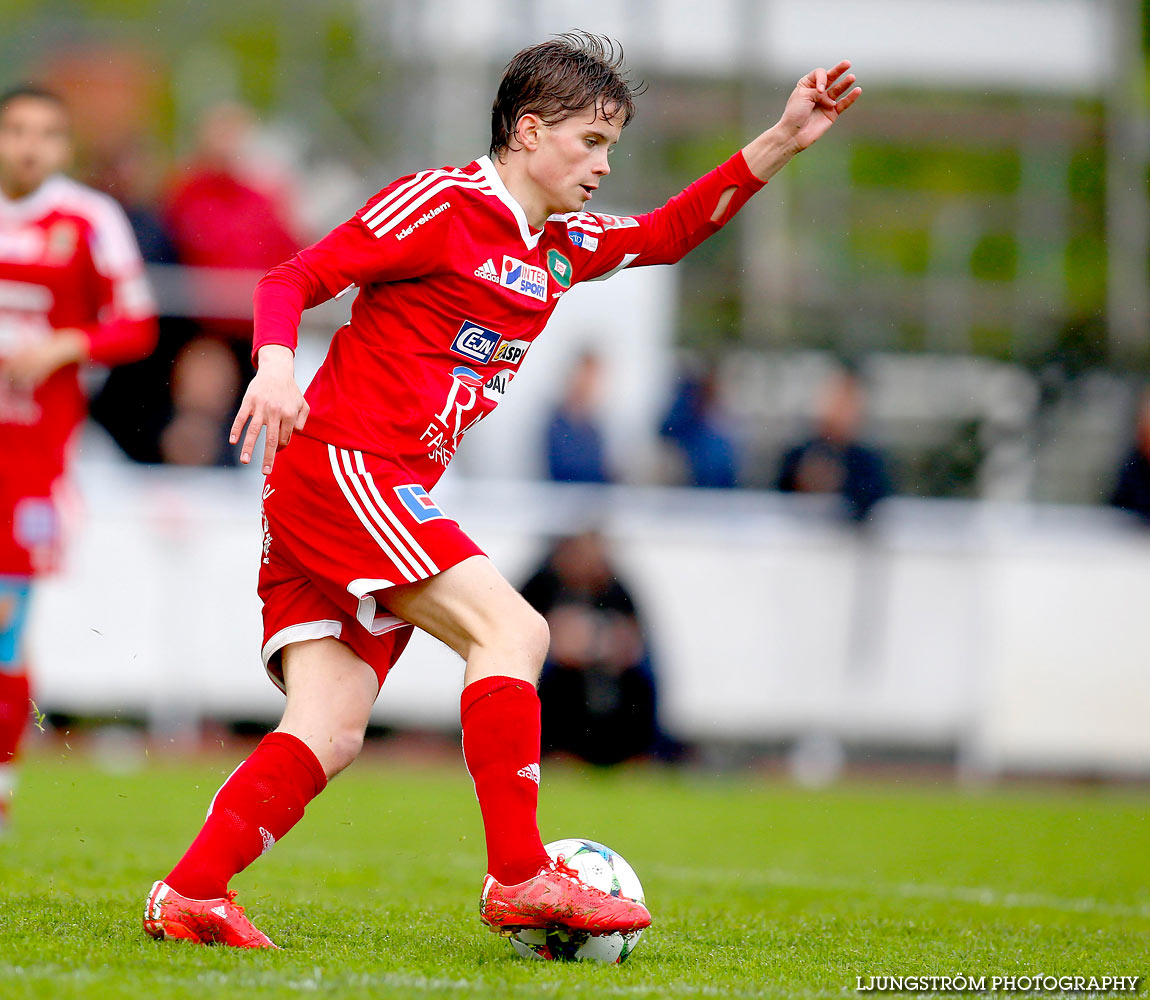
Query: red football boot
557,897
170,916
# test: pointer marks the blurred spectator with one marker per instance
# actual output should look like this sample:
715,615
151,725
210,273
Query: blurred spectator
1132,491
132,175
205,383
575,451
834,460
695,425
134,404
221,214
598,687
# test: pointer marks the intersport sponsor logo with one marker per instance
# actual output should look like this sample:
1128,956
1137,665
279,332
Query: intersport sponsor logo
526,279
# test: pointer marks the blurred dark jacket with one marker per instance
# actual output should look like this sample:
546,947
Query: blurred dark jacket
1132,491
855,471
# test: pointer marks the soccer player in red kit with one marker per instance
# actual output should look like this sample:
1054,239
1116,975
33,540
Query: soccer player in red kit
72,289
458,270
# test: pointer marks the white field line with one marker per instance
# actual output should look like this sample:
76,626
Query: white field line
982,896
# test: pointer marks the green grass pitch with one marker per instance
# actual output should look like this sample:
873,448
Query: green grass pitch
757,888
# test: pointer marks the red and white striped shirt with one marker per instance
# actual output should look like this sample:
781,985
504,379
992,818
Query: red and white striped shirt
455,286
68,260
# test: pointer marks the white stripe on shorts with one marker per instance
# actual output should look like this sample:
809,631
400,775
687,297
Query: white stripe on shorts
354,504
397,544
415,547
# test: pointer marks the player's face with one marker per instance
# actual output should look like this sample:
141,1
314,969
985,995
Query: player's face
573,158
34,144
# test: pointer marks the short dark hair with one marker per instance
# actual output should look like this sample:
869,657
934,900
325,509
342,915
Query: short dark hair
557,78
33,91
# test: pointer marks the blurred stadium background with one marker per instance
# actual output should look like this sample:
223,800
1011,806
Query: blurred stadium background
973,241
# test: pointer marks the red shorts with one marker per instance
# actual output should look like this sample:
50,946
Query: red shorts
32,501
339,526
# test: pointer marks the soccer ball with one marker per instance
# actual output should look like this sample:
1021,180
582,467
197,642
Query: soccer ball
603,868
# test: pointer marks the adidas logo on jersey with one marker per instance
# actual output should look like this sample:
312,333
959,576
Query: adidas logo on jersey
530,772
487,271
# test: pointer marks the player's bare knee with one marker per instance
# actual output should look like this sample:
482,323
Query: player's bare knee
536,636
343,748
527,638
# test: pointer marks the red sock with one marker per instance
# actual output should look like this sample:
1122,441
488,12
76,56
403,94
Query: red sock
501,747
15,710
263,799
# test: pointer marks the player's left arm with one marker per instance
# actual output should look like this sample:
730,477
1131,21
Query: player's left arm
667,234
123,326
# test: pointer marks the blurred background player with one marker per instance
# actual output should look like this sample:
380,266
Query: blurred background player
72,290
356,552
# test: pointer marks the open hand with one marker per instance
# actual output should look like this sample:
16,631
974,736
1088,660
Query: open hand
32,365
816,102
273,401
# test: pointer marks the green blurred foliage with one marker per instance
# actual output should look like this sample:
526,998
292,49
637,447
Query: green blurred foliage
995,258
259,38
1085,270
891,249
996,342
711,302
940,169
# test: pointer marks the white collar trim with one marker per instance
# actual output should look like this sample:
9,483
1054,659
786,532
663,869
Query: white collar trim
492,176
34,203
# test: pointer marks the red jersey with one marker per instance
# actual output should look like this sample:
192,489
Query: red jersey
68,260
454,288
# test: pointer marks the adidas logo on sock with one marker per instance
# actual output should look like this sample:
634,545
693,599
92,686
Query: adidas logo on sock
487,271
530,772
268,839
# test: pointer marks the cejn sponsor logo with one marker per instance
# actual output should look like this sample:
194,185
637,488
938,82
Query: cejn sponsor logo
526,279
487,271
475,342
511,351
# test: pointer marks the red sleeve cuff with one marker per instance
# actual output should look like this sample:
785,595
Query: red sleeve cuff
741,174
279,301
